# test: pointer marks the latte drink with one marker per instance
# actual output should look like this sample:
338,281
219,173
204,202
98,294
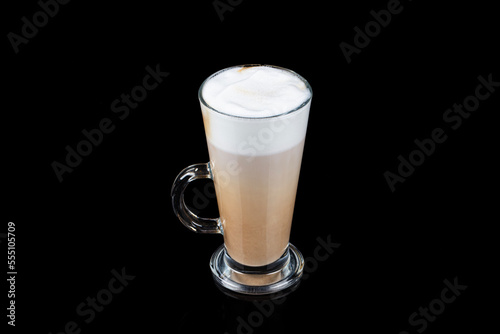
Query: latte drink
255,121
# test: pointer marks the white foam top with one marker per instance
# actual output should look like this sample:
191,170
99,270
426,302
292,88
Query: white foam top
257,91
254,94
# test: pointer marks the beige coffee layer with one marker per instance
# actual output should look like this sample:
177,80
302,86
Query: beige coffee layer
256,197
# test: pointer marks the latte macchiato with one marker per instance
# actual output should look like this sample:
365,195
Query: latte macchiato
255,121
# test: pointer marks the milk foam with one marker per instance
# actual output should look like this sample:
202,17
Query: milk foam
258,91
254,95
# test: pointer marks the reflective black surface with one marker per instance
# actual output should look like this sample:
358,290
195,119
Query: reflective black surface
102,252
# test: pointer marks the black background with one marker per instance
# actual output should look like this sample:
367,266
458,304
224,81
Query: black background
113,211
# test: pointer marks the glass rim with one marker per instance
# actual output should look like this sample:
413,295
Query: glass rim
308,86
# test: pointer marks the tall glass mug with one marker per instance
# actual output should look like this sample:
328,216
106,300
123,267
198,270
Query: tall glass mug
255,119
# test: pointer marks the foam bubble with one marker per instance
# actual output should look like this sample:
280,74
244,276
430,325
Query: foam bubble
257,91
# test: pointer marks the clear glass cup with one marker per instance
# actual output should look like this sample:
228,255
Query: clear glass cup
255,182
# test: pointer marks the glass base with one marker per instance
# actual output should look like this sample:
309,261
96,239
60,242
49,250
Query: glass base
283,274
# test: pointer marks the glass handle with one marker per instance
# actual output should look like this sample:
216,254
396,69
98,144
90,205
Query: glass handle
186,216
